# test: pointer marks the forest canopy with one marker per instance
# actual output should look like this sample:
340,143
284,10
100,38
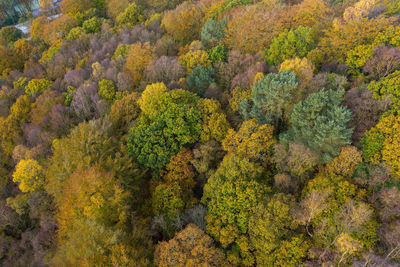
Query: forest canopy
200,133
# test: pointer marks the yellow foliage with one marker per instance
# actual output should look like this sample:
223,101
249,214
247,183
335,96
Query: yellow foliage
238,95
194,58
343,37
346,163
360,10
252,27
149,98
348,245
389,127
190,248
303,68
138,57
93,194
184,23
215,124
29,175
252,141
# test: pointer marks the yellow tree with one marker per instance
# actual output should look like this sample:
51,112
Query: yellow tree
184,23
383,142
29,174
190,247
93,194
149,98
215,124
251,141
138,57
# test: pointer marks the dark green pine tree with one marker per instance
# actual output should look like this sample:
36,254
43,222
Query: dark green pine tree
319,122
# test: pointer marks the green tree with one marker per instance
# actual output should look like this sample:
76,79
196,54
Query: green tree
319,122
231,194
176,122
387,87
290,44
200,79
92,25
37,86
107,90
270,99
215,124
271,230
212,32
218,53
132,15
121,51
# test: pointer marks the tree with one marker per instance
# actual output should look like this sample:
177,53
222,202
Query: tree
320,122
107,90
388,86
132,15
344,212
10,34
176,122
294,159
124,111
218,53
30,176
164,69
101,245
138,57
257,22
383,62
200,78
36,86
215,124
87,144
271,228
358,57
192,59
184,23
9,61
302,68
92,25
359,11
92,194
167,200
150,97
121,51
270,99
73,7
180,171
212,32
251,141
290,44
382,142
43,106
366,111
344,37
116,7
190,247
23,48
346,162
231,194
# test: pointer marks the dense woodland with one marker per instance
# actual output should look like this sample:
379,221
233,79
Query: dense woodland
202,133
